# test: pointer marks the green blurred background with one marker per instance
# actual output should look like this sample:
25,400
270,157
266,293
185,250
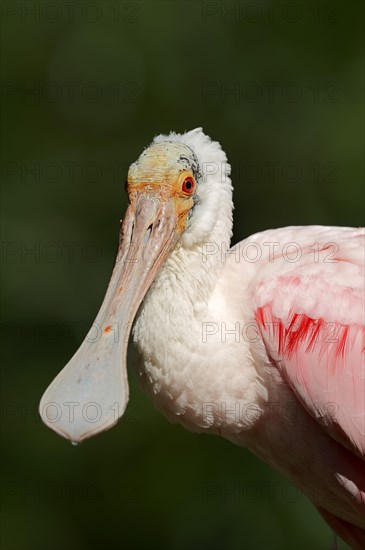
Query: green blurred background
86,85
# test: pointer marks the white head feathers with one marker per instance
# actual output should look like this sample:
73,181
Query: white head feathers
214,191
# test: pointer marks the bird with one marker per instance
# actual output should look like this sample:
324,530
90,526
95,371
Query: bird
261,343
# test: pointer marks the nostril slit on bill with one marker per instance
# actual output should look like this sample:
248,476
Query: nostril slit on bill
148,233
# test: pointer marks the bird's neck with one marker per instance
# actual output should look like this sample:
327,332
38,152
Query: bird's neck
168,332
191,272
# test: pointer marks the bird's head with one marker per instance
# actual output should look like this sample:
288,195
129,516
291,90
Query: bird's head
162,186
188,174
167,172
178,189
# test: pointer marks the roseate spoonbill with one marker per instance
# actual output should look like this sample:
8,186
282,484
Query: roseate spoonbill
261,344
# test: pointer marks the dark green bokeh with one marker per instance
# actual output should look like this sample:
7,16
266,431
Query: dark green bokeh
280,85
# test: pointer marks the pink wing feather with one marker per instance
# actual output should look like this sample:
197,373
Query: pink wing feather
311,316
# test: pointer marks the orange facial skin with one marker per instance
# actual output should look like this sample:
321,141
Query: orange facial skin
166,187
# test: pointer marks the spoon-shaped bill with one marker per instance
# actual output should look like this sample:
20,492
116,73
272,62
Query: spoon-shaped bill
91,393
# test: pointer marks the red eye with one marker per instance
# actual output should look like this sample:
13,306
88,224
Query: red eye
188,185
